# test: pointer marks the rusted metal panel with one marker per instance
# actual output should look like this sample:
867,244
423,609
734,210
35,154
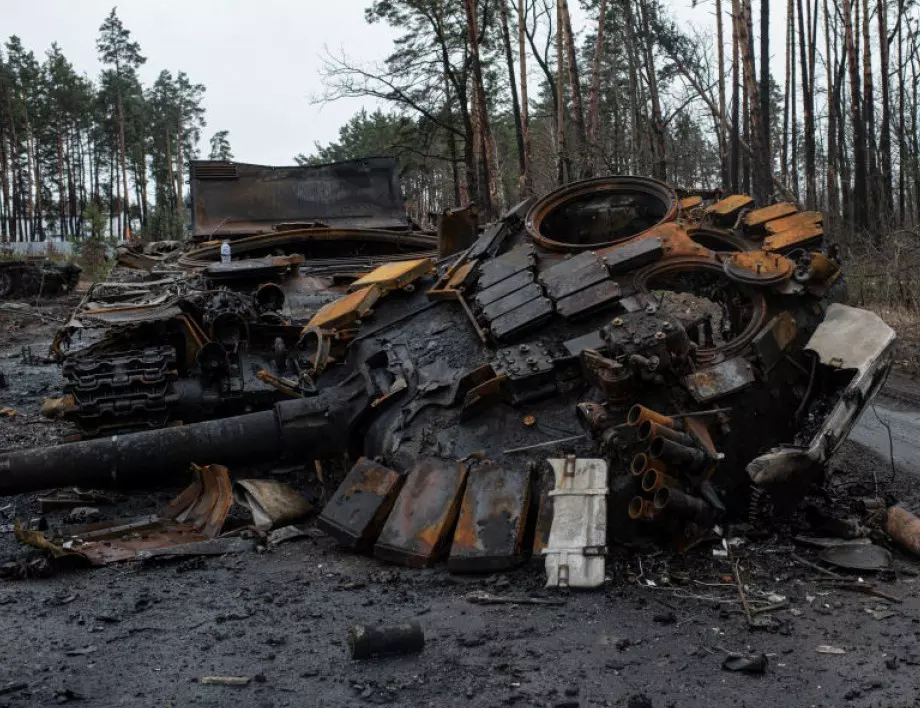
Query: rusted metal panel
347,310
758,267
757,218
396,275
797,237
235,199
803,218
688,203
720,380
355,514
730,206
457,230
588,300
418,530
573,274
493,517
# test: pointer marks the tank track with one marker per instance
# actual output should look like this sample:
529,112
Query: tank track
129,390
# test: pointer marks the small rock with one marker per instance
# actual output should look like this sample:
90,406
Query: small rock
665,618
891,663
571,691
623,644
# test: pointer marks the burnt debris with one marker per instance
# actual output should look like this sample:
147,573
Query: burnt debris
674,362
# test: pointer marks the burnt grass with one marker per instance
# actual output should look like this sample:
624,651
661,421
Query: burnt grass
145,634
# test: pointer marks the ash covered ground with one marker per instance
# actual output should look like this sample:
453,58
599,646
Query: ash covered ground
145,634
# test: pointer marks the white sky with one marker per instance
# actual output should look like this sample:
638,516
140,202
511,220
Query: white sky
259,59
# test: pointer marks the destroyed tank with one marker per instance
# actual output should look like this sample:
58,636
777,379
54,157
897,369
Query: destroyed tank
677,361
28,277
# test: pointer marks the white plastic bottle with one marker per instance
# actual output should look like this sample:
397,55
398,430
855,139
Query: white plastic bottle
225,252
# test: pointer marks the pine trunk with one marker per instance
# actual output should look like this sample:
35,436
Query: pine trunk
126,225
515,104
860,214
723,119
575,90
761,171
808,115
594,93
885,133
527,180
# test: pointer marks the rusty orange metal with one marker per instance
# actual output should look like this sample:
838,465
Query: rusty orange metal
759,267
802,218
639,414
395,275
418,530
493,517
643,463
688,203
347,310
904,528
757,218
796,237
358,509
730,206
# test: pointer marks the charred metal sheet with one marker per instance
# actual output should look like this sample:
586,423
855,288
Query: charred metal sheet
589,300
720,380
759,217
418,530
774,339
490,241
514,261
729,207
634,255
236,199
273,504
530,371
503,288
848,338
592,340
573,274
524,361
355,514
493,517
522,318
504,305
457,230
544,521
130,314
347,310
803,236
803,218
253,268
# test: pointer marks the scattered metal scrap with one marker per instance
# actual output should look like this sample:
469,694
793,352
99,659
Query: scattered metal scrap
684,338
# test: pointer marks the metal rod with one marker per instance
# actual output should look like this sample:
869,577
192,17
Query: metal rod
713,411
544,444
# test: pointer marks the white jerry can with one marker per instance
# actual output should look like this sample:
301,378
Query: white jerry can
578,535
